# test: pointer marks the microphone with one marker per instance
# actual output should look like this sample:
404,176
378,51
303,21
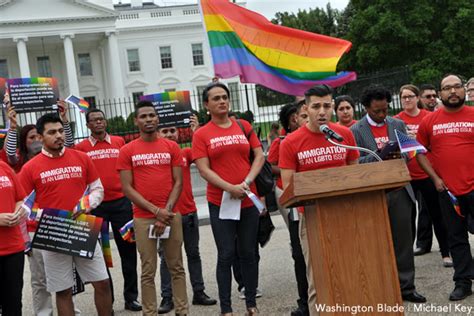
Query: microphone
330,133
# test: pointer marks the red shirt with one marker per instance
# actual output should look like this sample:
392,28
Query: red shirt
10,192
104,154
4,157
350,124
450,138
228,151
60,181
273,158
304,150
412,123
152,166
186,203
380,135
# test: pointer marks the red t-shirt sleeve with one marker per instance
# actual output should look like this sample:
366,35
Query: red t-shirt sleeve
19,191
124,162
423,136
176,157
273,153
26,179
287,157
199,149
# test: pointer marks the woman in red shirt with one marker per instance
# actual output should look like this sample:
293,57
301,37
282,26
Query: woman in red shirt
221,152
12,245
345,107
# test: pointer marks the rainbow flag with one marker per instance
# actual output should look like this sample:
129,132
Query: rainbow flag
409,146
127,232
105,241
28,204
244,43
4,131
83,203
81,104
455,202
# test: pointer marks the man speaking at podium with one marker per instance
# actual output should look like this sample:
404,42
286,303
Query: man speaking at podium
373,131
307,149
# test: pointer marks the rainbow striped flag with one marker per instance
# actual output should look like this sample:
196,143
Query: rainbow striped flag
81,104
408,145
28,204
244,43
83,203
127,232
105,241
455,202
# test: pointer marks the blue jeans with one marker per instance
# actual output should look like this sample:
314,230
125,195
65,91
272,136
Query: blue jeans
191,246
225,233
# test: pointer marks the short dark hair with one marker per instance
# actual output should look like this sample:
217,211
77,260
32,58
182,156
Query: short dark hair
300,104
285,113
375,92
426,86
342,98
93,110
320,90
212,85
452,74
45,119
143,104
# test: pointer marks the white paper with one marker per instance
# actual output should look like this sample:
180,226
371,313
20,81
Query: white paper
256,201
152,232
230,208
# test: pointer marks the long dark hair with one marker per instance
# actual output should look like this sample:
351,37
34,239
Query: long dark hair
23,134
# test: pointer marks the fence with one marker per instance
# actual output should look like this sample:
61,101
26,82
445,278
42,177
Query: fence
251,102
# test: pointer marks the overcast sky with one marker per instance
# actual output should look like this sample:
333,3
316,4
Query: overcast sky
268,8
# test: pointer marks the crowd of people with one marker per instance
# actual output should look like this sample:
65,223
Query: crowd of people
147,181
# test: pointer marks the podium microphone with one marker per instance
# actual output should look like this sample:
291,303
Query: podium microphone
330,133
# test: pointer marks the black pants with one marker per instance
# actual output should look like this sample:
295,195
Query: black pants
11,283
399,211
225,232
191,246
237,270
300,265
429,195
118,213
458,236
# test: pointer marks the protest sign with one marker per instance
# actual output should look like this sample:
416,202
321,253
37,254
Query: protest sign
33,94
173,108
57,231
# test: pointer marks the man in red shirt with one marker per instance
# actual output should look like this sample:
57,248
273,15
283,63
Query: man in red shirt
449,135
151,176
307,149
104,149
372,132
60,176
190,223
429,97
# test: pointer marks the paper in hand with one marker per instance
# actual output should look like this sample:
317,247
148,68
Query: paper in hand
230,208
256,201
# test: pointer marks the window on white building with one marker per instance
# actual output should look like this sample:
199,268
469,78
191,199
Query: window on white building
133,60
3,68
136,96
199,90
235,96
85,64
165,55
170,90
198,55
44,66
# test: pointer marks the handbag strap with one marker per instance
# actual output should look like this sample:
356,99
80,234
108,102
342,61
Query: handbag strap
243,129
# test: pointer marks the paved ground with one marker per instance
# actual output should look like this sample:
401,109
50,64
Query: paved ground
277,281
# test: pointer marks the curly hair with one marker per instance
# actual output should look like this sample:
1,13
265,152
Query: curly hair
375,92
286,112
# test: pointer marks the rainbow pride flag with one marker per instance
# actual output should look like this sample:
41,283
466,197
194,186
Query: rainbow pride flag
81,104
408,145
83,203
28,204
455,202
105,241
244,43
127,232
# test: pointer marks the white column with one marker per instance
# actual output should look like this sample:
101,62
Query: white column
73,83
115,69
22,55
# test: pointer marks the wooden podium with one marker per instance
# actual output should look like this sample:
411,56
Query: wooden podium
349,235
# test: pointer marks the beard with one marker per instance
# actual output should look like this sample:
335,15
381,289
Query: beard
456,105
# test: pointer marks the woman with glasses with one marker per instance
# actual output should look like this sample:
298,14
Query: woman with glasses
423,187
221,152
345,107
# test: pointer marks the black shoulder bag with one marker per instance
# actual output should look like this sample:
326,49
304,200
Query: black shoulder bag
264,180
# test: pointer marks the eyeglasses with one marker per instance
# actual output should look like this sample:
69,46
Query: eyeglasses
457,86
408,97
429,96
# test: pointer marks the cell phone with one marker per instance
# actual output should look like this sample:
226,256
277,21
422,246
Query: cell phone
388,148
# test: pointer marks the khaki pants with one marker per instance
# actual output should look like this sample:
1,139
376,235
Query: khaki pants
283,211
147,248
309,270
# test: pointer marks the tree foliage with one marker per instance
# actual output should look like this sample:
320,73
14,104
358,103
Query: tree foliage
432,37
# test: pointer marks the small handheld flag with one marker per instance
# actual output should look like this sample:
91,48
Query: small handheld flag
127,232
28,204
409,145
105,241
4,131
83,203
455,202
81,104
